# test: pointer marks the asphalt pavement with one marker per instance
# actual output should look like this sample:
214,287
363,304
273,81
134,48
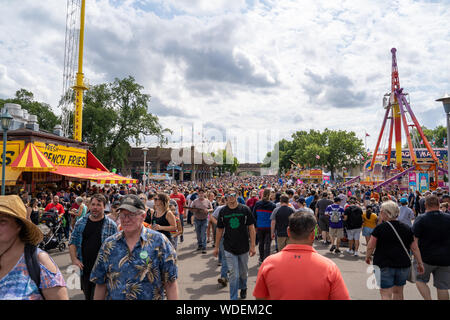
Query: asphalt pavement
198,273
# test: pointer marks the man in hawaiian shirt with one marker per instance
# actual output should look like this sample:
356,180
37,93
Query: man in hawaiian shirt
136,263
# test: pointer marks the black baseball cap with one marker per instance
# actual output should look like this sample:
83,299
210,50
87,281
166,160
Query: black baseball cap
131,203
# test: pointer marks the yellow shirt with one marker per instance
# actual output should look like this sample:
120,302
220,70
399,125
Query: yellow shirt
370,223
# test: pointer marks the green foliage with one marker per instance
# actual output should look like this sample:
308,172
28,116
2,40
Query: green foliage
437,135
114,114
47,120
227,162
336,149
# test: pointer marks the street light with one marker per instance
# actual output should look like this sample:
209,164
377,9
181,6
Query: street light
446,102
145,159
6,121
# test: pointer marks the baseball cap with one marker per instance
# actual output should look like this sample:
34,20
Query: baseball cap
131,203
403,201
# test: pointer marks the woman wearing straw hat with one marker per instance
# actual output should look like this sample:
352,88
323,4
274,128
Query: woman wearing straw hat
16,234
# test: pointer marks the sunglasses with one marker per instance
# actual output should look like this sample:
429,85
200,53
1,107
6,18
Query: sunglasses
230,195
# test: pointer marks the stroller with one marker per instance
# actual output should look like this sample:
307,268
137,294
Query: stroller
51,226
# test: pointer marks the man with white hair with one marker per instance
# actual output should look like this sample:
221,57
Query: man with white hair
136,263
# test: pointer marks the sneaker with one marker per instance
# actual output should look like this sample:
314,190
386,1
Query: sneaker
203,250
350,251
243,293
223,282
199,248
337,251
219,264
332,248
181,239
356,254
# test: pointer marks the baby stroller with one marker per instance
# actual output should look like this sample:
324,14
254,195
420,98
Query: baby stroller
51,226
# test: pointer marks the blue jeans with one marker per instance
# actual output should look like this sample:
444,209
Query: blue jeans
224,268
390,277
238,267
200,229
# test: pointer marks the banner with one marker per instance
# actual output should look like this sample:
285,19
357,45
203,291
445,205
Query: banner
412,181
315,172
13,149
423,182
62,155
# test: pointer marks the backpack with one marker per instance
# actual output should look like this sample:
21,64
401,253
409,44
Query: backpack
32,262
335,216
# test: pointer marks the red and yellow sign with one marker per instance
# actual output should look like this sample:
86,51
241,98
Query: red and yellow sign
13,149
62,155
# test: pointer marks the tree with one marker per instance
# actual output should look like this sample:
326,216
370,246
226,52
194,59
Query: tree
115,114
47,120
227,163
434,136
330,149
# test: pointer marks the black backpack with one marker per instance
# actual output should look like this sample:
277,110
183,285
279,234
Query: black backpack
32,262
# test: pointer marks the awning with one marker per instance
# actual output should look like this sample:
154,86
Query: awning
31,159
93,175
10,176
94,163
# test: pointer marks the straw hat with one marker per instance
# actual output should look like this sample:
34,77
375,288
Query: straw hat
13,206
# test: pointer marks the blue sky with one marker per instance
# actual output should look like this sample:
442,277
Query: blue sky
243,65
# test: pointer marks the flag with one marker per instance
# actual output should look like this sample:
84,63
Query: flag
421,141
317,157
367,135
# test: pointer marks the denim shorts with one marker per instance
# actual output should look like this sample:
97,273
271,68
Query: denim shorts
367,232
389,277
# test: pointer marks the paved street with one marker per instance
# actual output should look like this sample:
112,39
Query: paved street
198,273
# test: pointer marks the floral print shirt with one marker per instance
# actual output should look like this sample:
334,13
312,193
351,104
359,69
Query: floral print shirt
18,285
137,275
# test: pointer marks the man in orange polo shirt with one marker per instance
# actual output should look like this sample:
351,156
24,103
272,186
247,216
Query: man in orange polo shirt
315,277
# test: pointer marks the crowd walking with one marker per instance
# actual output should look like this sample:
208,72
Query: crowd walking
125,239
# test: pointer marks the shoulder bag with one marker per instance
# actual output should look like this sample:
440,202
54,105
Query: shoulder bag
412,270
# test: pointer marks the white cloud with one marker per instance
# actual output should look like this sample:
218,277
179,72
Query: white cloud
247,65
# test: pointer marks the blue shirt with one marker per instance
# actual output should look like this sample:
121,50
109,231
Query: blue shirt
309,200
109,228
137,275
329,211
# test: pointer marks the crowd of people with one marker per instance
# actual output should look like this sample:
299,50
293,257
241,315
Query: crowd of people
124,238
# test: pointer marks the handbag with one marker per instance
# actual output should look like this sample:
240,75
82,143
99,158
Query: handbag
412,275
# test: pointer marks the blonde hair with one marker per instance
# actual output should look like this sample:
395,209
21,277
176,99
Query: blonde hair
391,209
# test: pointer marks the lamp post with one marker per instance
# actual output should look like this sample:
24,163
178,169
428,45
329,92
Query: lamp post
145,159
6,121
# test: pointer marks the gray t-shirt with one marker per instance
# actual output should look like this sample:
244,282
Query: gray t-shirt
406,215
322,205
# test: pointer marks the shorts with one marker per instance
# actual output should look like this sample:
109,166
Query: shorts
389,277
353,234
282,242
441,276
337,233
324,223
367,232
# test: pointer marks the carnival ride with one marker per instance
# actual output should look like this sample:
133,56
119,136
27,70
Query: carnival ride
390,165
74,41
